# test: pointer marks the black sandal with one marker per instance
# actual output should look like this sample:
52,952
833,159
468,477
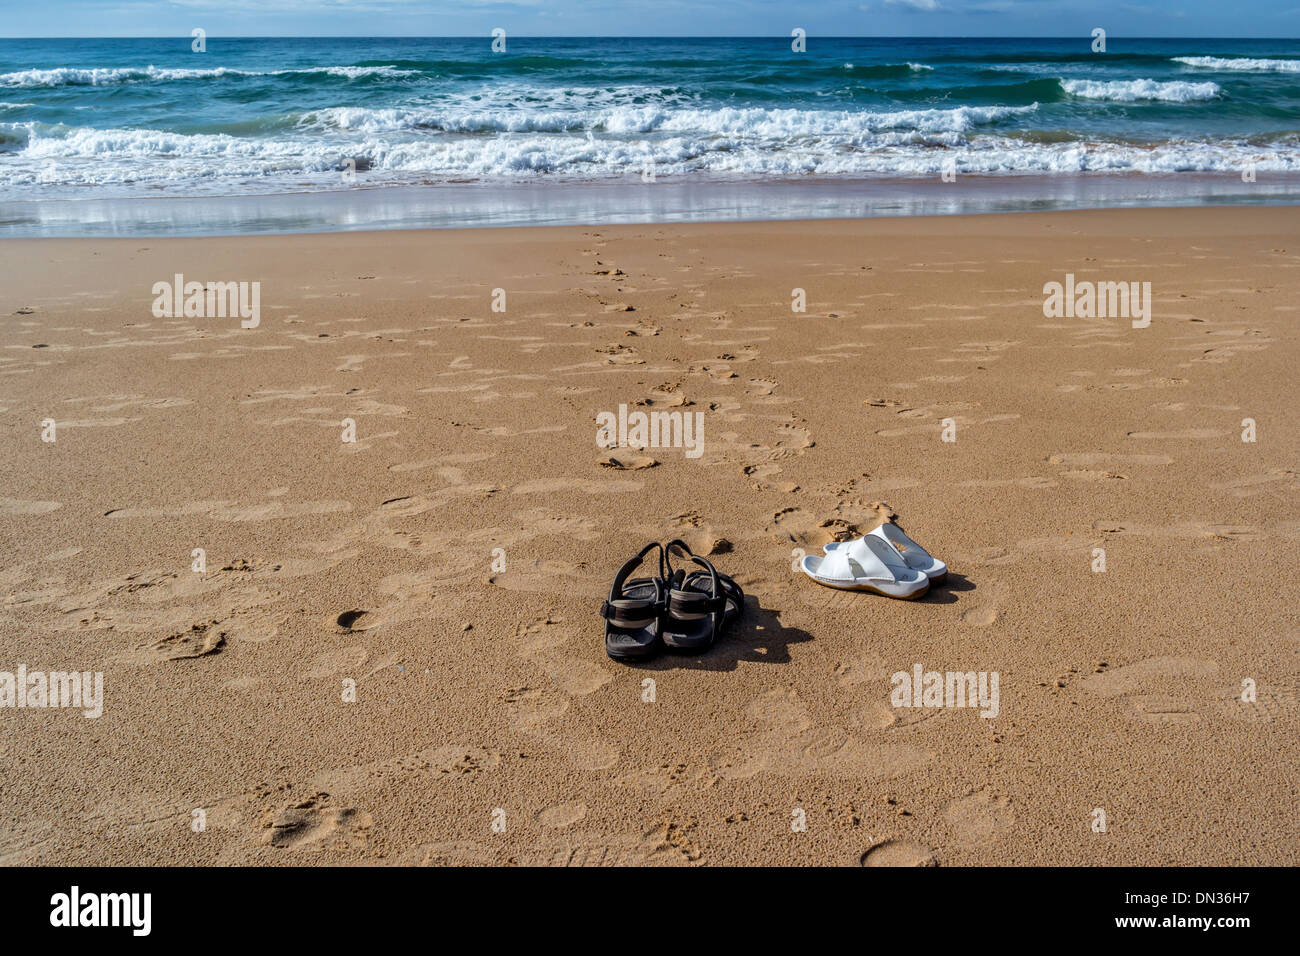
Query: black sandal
634,612
700,604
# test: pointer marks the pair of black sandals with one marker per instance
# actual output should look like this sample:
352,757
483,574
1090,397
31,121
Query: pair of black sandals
679,609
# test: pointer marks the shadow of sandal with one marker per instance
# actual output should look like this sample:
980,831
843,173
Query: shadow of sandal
758,636
947,592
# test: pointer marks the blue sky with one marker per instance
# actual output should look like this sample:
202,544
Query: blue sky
1199,18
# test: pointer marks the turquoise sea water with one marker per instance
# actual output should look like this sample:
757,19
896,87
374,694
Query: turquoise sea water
101,119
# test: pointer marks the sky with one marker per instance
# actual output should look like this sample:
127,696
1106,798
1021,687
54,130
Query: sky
1120,18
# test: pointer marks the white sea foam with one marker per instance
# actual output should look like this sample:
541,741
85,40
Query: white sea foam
1249,64
778,143
1132,91
775,125
104,76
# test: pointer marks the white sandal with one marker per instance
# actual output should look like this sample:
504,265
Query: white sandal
911,553
917,558
867,564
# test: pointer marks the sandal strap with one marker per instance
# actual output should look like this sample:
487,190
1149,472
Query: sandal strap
630,615
616,589
695,602
697,597
714,582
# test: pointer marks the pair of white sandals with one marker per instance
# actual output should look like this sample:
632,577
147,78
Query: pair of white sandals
884,561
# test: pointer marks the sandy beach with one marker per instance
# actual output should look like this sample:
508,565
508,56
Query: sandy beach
447,565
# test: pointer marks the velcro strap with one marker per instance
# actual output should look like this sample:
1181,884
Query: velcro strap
696,604
640,614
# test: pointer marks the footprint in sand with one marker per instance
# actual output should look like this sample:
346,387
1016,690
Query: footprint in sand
625,849
759,475
1029,481
806,530
1278,479
962,421
532,709
699,536
435,762
1105,458
793,439
658,780
19,507
979,817
23,843
1183,529
980,616
199,641
443,461
550,577
621,355
574,677
787,741
539,643
1065,545
668,395
1198,433
586,486
988,610
937,410
535,712
232,511
420,595
564,815
365,443
1133,677
314,824
345,660
672,842
897,852
1136,687
883,715
506,431
865,669
779,710
97,422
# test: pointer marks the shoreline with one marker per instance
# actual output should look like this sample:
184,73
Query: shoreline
602,203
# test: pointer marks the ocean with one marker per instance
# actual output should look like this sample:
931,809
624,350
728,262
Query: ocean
99,119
